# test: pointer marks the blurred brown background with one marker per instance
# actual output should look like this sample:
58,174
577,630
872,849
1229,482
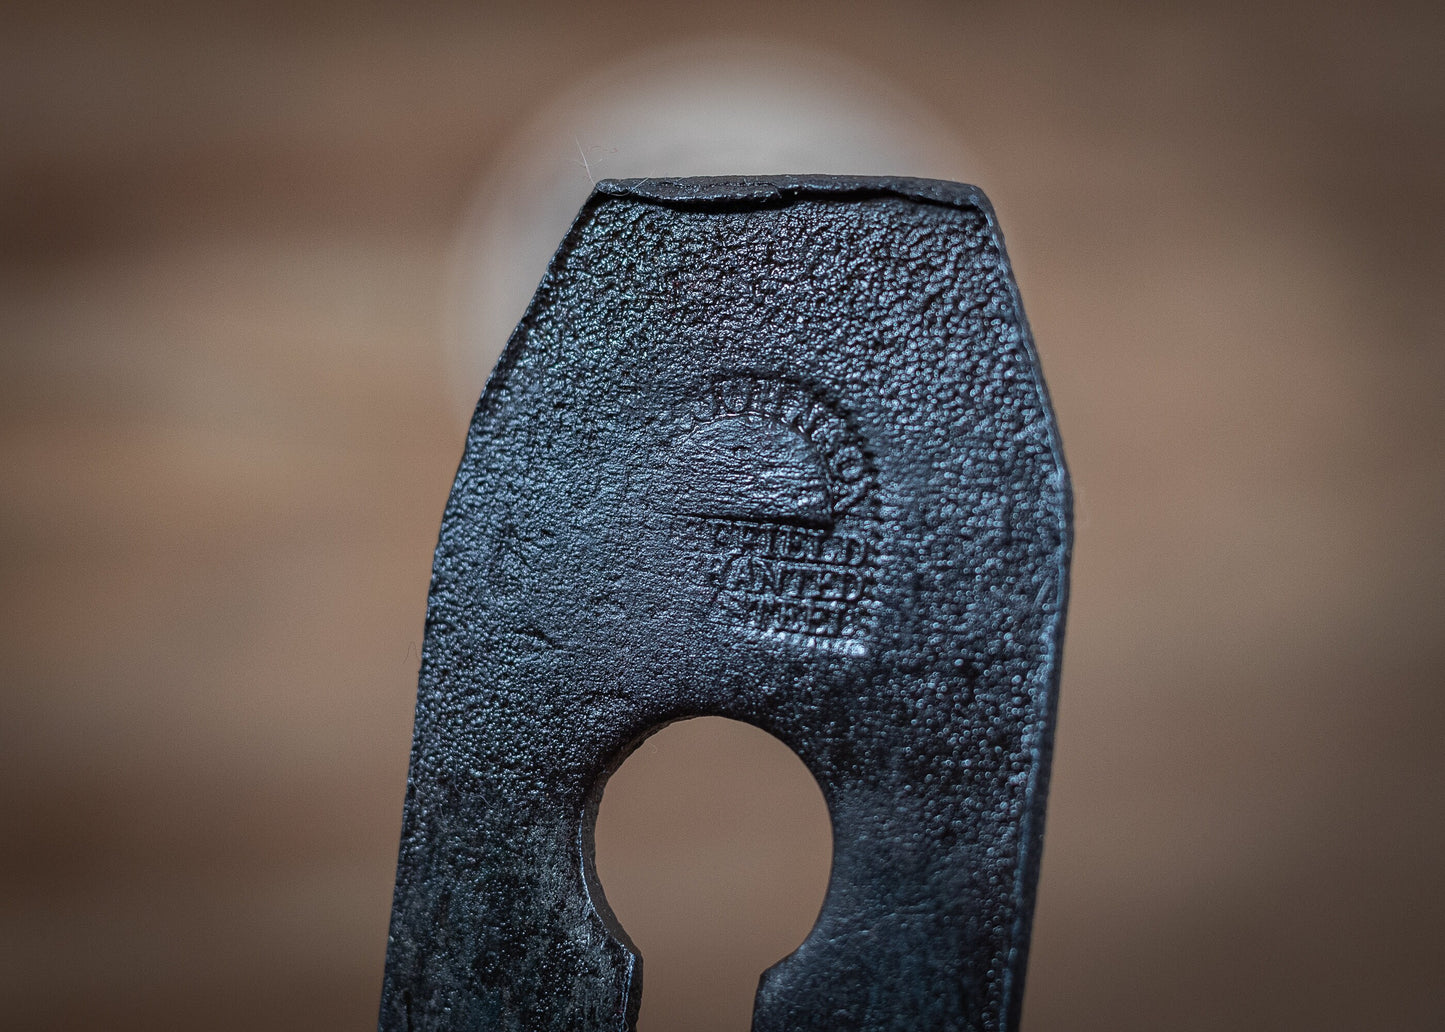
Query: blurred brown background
227,240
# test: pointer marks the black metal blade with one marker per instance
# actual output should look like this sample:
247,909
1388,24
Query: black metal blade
775,449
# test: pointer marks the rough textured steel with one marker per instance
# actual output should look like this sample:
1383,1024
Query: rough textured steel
771,449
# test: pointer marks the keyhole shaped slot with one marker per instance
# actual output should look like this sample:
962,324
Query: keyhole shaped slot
713,846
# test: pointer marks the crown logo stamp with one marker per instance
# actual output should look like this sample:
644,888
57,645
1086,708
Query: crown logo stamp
774,492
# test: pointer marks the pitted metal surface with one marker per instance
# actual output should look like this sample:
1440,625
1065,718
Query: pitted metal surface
775,449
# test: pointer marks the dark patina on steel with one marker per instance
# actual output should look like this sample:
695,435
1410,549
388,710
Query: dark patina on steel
775,449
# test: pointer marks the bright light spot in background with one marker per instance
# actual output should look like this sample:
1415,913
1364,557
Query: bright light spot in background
717,108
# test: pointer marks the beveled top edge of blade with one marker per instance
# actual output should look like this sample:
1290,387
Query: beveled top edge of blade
778,189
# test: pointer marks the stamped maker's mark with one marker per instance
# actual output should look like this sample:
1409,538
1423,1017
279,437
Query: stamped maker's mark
774,498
